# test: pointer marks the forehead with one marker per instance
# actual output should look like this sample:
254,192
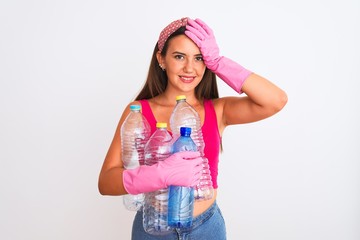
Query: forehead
182,43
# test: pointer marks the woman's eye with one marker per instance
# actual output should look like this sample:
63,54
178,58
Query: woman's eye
199,59
179,56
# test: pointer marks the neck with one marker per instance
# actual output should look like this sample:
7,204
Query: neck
170,98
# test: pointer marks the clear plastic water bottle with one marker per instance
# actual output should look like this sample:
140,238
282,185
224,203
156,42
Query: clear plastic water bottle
135,132
155,210
181,199
184,115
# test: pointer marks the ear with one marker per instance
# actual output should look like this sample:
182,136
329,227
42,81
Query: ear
160,59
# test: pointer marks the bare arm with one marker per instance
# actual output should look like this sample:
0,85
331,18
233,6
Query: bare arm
263,99
111,175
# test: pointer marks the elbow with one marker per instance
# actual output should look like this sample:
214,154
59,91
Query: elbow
281,101
278,103
102,192
105,191
101,188
110,186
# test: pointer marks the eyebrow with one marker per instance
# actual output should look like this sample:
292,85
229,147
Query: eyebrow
197,55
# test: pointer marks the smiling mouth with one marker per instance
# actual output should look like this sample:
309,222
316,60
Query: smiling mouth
187,79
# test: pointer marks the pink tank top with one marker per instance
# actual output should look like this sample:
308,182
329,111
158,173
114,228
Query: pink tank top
210,131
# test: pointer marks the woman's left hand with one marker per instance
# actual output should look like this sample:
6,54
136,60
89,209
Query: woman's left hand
204,38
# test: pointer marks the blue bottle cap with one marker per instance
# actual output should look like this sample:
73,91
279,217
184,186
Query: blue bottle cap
185,131
135,107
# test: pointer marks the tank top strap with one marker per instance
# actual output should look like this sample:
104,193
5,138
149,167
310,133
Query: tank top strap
210,121
212,139
149,115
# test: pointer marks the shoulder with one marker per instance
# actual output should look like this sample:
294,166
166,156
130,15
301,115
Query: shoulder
219,104
126,110
224,107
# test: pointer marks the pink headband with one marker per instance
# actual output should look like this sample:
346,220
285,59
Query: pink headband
170,29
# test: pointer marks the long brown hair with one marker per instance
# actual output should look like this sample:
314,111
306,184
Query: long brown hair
156,81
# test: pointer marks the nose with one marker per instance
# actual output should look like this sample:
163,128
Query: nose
188,66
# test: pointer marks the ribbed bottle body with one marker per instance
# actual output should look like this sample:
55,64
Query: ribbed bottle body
184,115
155,211
135,132
181,199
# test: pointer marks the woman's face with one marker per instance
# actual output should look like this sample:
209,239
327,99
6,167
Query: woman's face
183,63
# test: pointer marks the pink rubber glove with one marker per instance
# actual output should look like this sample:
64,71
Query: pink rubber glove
179,169
229,71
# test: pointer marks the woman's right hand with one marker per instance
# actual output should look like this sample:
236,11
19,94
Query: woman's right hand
179,169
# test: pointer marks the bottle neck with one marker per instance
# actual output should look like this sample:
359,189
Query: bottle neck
181,100
186,135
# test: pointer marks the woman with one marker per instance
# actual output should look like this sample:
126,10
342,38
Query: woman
186,61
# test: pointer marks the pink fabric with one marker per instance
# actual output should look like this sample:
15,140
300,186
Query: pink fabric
147,112
179,169
212,140
203,36
229,71
210,131
232,73
170,29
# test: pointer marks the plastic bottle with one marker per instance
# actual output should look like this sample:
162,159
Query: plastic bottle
155,211
184,115
181,199
135,132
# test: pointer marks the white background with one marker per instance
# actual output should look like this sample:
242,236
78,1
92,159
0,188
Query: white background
68,68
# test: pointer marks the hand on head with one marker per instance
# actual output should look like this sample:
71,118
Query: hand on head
229,71
204,38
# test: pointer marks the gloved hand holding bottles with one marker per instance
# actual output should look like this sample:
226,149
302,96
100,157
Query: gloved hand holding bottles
179,169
